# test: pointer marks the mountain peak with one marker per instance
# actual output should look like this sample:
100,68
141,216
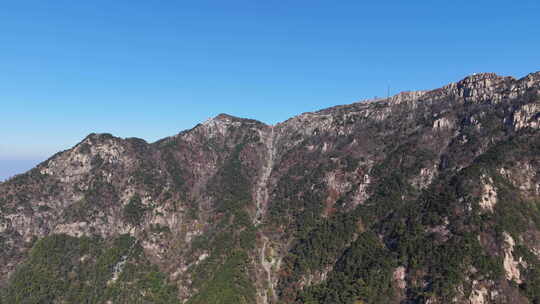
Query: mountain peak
381,183
480,76
98,137
224,118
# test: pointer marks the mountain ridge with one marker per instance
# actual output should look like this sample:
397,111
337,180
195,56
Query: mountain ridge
367,202
472,78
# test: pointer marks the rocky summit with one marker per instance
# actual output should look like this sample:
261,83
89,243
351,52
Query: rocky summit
423,197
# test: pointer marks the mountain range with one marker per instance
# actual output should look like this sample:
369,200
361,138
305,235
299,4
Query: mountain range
422,197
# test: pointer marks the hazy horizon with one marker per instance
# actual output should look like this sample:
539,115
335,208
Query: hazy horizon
12,167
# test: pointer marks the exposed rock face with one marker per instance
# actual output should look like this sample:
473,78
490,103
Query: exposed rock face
489,194
425,197
399,277
479,295
511,266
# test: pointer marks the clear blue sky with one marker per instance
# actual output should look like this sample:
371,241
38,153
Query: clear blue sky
152,68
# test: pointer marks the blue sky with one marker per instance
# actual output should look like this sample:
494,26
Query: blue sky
150,69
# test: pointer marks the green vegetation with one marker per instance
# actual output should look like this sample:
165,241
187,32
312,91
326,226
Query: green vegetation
299,198
531,284
317,250
64,269
433,233
134,210
229,283
222,277
363,274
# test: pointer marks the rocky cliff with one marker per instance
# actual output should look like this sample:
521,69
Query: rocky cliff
424,197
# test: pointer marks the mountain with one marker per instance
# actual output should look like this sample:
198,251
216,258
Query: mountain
423,197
